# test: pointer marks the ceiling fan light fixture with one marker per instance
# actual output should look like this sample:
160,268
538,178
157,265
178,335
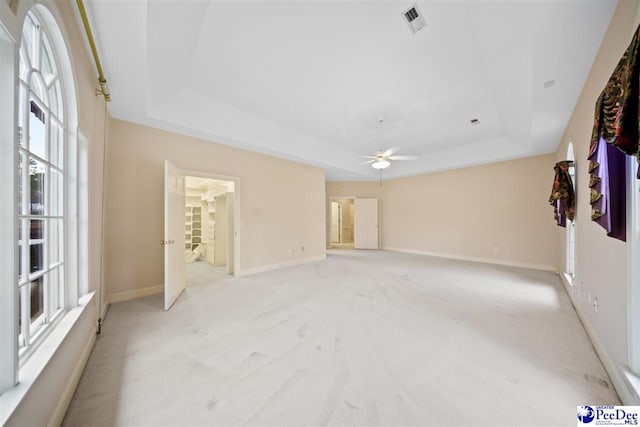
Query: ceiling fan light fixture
380,164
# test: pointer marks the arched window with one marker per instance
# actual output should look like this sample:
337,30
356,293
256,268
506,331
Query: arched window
42,179
571,226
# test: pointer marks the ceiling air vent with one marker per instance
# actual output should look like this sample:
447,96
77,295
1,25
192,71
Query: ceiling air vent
414,18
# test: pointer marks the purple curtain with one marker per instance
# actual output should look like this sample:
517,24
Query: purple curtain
563,198
607,170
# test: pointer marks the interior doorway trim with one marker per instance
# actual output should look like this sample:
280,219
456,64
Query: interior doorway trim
328,230
236,210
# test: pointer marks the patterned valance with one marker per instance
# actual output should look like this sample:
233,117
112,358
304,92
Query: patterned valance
563,198
615,133
616,115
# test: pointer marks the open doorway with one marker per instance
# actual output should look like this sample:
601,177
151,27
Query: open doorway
209,229
342,213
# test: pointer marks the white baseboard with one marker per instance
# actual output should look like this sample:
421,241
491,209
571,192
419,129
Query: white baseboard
476,259
136,293
65,399
619,383
103,311
278,265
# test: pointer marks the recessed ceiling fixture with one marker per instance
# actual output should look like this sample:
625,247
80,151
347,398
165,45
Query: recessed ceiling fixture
414,18
549,83
475,122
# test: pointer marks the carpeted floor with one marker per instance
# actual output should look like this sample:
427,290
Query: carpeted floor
369,338
202,272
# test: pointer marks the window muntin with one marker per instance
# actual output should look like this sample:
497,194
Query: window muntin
41,220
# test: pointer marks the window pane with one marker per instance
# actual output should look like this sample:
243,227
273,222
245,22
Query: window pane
36,245
36,257
29,33
48,65
37,130
21,243
24,65
54,96
36,180
56,145
55,203
21,110
37,298
53,282
39,88
37,230
21,195
22,296
55,241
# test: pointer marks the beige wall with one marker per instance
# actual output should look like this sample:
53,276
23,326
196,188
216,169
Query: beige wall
348,189
495,212
601,262
281,203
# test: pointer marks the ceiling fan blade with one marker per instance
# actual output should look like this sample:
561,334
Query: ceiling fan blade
389,151
369,161
369,157
402,157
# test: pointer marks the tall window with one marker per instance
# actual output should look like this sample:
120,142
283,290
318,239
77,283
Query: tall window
571,225
41,178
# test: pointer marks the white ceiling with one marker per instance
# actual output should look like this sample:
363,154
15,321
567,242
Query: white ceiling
308,80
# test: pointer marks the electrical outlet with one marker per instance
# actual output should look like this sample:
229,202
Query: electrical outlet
595,304
301,248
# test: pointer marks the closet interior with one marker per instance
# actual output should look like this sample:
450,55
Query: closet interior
208,220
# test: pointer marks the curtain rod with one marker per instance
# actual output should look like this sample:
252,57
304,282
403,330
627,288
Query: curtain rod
102,82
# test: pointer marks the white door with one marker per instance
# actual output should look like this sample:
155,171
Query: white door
365,219
174,249
335,222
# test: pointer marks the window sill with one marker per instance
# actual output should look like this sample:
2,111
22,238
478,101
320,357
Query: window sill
38,361
633,381
571,281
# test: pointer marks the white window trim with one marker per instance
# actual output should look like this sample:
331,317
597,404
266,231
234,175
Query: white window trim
633,257
18,374
31,370
9,39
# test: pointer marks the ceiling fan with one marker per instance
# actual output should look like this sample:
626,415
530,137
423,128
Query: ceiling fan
380,159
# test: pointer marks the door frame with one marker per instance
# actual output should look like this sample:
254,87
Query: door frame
236,212
328,230
339,222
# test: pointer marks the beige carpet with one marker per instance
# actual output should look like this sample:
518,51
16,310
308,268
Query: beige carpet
363,338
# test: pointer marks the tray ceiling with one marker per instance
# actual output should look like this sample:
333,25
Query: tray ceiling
309,80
